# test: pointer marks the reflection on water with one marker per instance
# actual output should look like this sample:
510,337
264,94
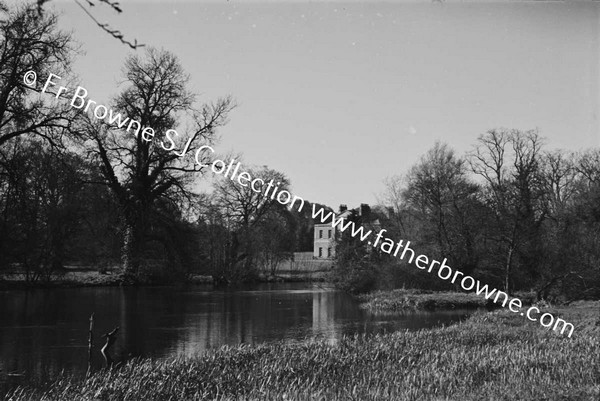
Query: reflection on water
45,331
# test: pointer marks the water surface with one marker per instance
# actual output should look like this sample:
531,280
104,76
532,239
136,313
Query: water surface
45,331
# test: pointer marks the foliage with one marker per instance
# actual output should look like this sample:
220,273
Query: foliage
276,236
254,231
510,212
525,219
41,207
31,42
146,176
356,264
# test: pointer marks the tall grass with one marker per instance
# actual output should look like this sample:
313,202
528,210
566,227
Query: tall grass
491,356
407,300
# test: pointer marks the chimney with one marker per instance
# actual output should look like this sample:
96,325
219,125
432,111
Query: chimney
365,210
343,208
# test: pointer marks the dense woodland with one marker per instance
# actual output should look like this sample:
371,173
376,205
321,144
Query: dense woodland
76,191
511,212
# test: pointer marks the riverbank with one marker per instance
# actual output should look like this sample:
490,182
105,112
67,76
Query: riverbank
68,279
83,277
492,356
403,300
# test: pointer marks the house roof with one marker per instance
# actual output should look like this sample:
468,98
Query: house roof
344,215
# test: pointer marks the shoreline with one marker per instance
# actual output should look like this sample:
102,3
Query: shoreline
85,278
403,300
491,355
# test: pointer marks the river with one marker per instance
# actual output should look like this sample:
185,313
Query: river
45,331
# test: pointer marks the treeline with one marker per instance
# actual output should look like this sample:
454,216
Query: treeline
76,190
245,233
510,212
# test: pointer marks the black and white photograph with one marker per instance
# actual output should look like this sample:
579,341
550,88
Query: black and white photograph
299,200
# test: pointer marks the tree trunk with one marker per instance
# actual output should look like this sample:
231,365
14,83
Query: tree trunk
130,255
90,345
507,271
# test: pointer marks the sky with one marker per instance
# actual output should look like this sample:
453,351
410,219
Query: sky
340,95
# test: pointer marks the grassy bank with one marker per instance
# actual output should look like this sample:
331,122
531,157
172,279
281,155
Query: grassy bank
491,356
69,278
406,300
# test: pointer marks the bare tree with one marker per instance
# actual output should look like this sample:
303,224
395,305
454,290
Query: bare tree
439,192
560,179
509,163
30,41
276,237
146,171
114,5
588,165
396,206
572,232
245,209
41,206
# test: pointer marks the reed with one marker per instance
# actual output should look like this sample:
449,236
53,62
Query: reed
492,356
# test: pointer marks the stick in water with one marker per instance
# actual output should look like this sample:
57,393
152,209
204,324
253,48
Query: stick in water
90,344
110,340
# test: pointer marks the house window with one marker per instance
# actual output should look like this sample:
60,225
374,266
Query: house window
320,252
320,233
328,252
328,233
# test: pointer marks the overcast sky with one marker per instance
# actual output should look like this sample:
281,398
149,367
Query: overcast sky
340,95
